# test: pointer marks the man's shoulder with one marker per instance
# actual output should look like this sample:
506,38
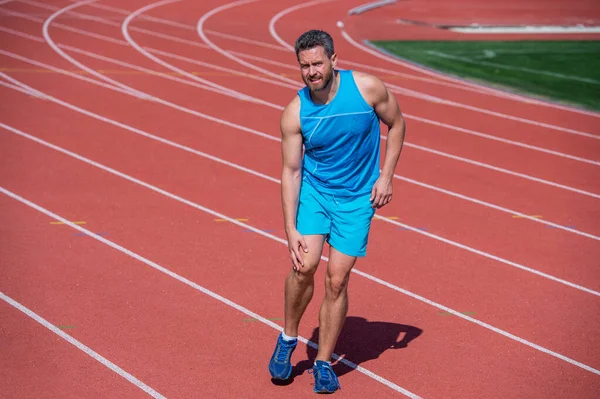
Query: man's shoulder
367,81
293,107
290,117
370,86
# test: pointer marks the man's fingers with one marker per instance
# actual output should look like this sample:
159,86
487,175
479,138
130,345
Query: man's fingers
293,259
373,193
303,244
382,200
298,256
375,197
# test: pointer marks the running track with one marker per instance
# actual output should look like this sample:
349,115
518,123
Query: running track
142,243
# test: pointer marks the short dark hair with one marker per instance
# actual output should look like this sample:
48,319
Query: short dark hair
314,38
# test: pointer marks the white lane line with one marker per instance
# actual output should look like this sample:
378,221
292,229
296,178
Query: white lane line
190,283
270,137
503,170
258,231
87,350
155,99
435,237
28,90
151,50
139,94
427,97
503,140
439,153
135,45
284,12
254,42
200,30
67,57
220,68
64,27
434,99
438,100
245,97
398,90
416,146
370,6
19,86
463,85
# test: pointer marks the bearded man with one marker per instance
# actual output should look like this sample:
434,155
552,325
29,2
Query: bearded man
331,186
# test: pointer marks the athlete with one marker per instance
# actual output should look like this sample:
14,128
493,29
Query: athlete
331,186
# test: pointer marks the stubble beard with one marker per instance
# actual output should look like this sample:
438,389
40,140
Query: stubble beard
324,84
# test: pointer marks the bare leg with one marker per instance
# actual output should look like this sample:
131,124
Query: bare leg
299,285
335,303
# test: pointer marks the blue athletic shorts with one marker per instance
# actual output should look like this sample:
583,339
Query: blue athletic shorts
345,221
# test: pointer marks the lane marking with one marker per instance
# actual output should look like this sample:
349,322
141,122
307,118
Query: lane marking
190,283
103,234
461,83
200,31
57,223
403,91
87,350
267,235
436,237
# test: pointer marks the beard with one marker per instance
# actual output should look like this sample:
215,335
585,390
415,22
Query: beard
323,84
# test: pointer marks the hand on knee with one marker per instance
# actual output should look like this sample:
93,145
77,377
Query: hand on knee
305,273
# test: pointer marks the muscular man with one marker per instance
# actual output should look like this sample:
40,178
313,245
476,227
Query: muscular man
331,190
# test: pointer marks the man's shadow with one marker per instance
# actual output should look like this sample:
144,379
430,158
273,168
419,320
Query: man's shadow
360,341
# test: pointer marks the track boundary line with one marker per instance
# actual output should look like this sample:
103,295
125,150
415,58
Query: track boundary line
485,90
264,234
433,236
78,344
190,283
183,109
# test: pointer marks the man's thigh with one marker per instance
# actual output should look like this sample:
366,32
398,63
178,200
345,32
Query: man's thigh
351,224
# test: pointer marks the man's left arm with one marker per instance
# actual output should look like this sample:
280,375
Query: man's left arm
387,109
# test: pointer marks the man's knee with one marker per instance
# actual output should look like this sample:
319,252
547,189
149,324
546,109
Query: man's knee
306,272
336,285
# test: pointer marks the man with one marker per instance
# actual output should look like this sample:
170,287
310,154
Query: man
330,193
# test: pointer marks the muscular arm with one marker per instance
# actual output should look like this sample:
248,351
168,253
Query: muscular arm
385,105
291,177
388,111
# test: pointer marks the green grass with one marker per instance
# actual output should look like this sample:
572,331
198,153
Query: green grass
563,71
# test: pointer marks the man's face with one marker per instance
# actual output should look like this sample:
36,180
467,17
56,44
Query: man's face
316,68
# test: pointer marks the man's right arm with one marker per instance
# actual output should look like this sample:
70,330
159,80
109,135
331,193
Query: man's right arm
291,178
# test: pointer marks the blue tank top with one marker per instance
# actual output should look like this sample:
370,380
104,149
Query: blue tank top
341,140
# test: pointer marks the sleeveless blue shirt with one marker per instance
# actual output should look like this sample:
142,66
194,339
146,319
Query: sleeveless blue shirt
341,140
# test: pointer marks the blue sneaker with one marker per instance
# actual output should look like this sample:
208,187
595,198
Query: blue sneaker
280,366
325,379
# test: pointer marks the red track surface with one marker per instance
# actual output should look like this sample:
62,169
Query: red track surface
523,293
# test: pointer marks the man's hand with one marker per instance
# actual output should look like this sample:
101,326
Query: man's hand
297,245
382,192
